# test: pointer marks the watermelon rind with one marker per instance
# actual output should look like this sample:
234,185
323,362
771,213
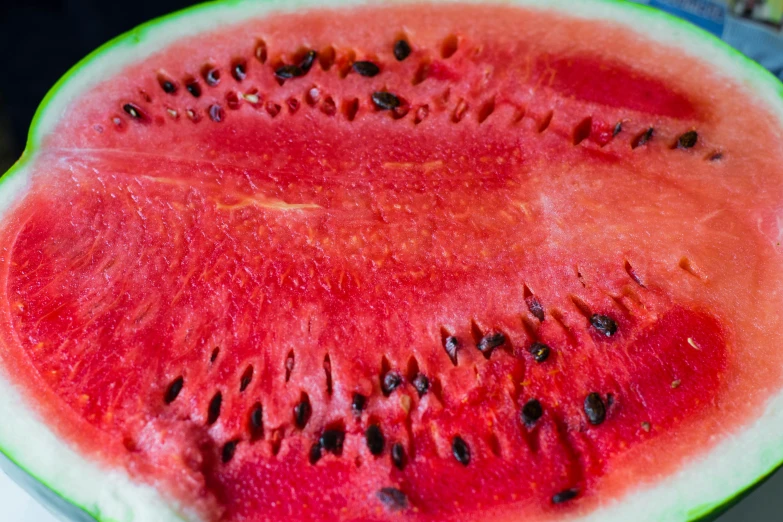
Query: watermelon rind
78,489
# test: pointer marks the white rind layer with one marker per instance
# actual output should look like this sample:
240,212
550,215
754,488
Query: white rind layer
702,485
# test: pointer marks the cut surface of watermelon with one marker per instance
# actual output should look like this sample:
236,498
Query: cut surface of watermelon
437,261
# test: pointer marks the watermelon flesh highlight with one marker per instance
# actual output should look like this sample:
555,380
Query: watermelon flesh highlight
296,243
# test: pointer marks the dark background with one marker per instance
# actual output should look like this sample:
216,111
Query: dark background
41,39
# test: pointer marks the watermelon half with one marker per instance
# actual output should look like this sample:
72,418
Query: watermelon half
427,261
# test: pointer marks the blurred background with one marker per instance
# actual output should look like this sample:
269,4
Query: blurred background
41,39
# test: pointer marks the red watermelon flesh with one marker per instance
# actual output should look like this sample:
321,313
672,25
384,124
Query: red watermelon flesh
275,300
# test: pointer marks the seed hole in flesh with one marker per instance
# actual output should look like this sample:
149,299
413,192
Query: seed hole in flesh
540,352
544,125
260,52
350,108
595,409
239,70
247,377
459,111
172,392
449,46
632,274
256,422
329,107
289,365
302,411
272,108
213,411
486,110
326,58
582,130
232,100
167,84
422,384
313,96
422,71
402,49
229,448
385,101
580,305
398,455
328,373
216,113
420,114
345,62
565,496
293,105
688,265
366,68
214,356
332,440
193,88
687,140
211,75
460,450
489,342
604,324
642,138
494,445
450,344
358,403
531,412
375,439
715,156
393,499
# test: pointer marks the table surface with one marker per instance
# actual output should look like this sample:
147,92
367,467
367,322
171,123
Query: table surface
763,505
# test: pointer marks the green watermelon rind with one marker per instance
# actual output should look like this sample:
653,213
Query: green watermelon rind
111,496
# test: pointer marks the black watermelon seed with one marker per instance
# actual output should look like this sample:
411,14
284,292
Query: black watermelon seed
422,384
643,138
286,72
536,308
168,87
398,455
214,355
531,412
315,453
213,411
229,449
391,381
194,89
172,392
365,68
393,499
604,324
618,128
402,50
212,77
375,439
256,422
451,345
688,140
595,409
307,61
460,450
358,403
716,156
565,496
247,377
489,342
239,71
332,441
216,113
302,412
133,110
540,352
385,101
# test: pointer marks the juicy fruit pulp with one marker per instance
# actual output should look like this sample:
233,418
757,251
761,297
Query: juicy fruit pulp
497,275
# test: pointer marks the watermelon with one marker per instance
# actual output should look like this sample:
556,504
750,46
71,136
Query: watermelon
430,261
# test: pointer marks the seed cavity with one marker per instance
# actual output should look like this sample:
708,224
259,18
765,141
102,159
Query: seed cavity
358,403
328,372
213,412
289,365
385,101
449,46
398,455
302,411
366,68
595,409
422,72
393,499
329,107
326,58
261,52
459,111
232,100
402,49
546,121
422,384
486,110
256,422
375,439
540,352
350,108
604,324
214,356
632,274
247,377
460,450
332,440
421,113
489,342
315,452
531,412
582,130
565,496
239,70
172,392
229,448
687,140
643,138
